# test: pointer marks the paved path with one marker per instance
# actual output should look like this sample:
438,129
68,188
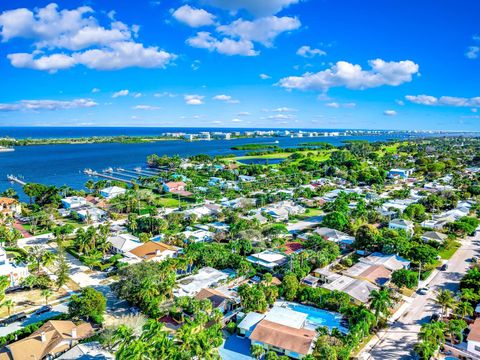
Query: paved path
398,340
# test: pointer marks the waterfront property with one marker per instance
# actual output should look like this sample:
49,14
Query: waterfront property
112,191
9,206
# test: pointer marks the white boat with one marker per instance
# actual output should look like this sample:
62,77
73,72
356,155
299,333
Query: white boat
6,149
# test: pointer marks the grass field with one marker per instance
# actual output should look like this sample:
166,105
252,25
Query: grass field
318,155
169,202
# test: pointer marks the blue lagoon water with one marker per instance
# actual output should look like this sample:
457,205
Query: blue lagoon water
63,164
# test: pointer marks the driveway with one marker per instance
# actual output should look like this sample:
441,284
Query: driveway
398,340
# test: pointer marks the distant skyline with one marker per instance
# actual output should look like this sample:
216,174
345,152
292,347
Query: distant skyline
303,64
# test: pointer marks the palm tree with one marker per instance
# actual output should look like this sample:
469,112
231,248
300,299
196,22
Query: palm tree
445,299
9,304
463,308
257,351
433,332
456,328
424,350
380,302
470,295
46,293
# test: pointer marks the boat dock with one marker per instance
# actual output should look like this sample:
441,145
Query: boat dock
91,172
15,179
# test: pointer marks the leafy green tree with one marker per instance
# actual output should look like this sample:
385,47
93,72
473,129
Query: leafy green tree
90,305
335,220
62,271
290,286
404,277
445,299
257,351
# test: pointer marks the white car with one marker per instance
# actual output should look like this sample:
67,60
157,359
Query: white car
423,290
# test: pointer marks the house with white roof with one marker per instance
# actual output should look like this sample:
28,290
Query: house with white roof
198,235
73,202
112,191
344,240
91,213
205,278
402,224
400,173
268,259
434,236
14,272
391,262
358,289
123,243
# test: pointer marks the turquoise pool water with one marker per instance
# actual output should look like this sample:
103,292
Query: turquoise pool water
318,317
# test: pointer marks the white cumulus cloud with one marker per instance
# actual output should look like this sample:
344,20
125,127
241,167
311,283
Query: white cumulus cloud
121,93
226,46
430,100
351,76
263,30
67,38
308,52
255,7
194,99
226,98
48,105
193,17
389,113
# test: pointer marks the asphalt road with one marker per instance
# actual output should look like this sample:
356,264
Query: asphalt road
398,340
56,310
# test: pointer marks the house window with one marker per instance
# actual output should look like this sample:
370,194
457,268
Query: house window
477,348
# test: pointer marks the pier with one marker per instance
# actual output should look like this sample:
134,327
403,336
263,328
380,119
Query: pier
137,172
15,179
90,172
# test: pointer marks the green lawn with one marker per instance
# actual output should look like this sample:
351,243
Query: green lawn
310,213
169,202
447,253
319,155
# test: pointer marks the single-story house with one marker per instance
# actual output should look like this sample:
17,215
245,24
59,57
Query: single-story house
218,299
290,341
402,224
112,191
87,351
391,262
342,239
123,243
198,235
205,278
154,251
376,274
92,213
268,259
358,289
176,187
50,340
245,178
434,236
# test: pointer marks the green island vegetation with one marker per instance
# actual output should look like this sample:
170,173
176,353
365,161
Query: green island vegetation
211,241
254,146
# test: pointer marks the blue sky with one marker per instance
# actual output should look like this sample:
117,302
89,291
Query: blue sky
396,64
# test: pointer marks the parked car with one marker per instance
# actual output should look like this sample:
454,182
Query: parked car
423,290
444,267
43,310
475,259
13,318
434,317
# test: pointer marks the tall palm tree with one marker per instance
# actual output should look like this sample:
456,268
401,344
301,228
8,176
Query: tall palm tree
380,302
455,330
433,332
424,349
463,308
446,300
47,293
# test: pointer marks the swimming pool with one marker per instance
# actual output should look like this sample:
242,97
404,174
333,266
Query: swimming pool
316,317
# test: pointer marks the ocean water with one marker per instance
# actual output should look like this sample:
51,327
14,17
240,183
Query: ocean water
64,164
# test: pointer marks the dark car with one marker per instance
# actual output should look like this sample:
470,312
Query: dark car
434,317
444,267
43,310
13,318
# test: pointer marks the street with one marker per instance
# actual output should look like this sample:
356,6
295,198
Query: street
56,310
397,341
